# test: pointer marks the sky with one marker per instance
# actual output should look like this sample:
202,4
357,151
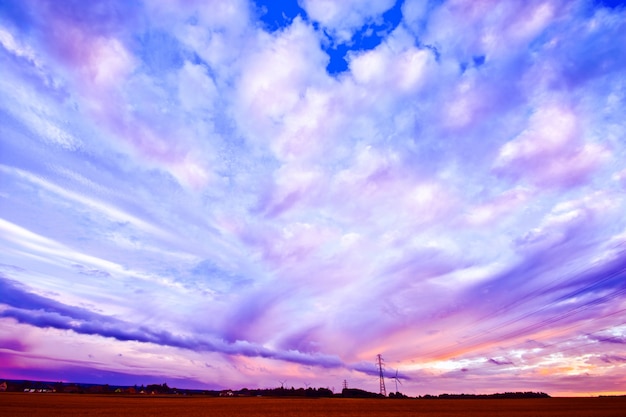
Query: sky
219,195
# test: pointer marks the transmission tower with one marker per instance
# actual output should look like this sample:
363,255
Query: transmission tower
380,364
345,384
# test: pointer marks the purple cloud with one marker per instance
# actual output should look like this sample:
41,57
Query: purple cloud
43,312
609,339
500,362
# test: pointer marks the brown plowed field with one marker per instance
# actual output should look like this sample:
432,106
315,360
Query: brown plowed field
26,404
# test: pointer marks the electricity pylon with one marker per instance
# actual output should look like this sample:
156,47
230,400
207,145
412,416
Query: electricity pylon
380,364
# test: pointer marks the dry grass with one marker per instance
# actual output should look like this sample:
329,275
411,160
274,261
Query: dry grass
34,405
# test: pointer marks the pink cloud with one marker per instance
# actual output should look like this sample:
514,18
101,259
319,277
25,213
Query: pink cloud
498,207
551,151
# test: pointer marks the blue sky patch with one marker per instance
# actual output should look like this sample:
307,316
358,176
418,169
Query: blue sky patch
277,15
613,4
367,38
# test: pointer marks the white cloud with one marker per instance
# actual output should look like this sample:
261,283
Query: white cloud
274,79
108,62
383,68
343,18
8,41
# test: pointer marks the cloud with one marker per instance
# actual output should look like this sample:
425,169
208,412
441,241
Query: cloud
500,362
613,359
103,208
620,340
29,308
550,151
272,83
343,19
403,72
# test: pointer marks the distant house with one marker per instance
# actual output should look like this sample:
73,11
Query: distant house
3,386
227,393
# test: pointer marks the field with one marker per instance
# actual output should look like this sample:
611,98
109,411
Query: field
34,405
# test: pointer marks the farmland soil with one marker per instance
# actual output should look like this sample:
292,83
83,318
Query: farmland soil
54,404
